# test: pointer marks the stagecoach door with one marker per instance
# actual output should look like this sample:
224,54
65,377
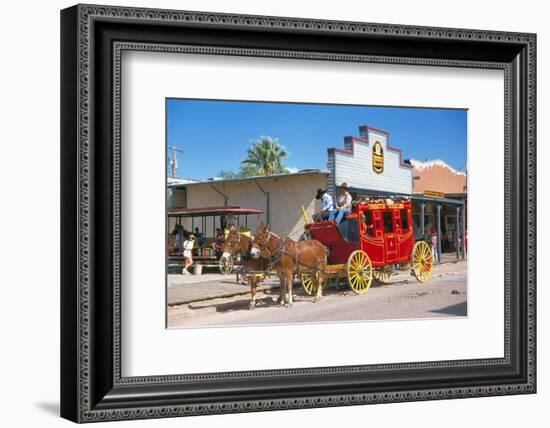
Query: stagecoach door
390,238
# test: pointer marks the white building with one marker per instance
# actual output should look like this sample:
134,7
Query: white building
368,164
279,197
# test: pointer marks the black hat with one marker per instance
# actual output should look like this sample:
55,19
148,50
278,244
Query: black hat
320,193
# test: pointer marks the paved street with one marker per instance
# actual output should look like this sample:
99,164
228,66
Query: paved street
443,296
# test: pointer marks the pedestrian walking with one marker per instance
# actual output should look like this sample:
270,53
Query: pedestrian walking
435,249
188,254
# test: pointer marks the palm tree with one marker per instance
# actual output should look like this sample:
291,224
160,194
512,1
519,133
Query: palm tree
264,157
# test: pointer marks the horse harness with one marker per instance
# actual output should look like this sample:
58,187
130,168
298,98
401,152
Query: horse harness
246,255
282,251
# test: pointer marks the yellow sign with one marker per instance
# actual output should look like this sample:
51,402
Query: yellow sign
434,194
381,206
378,158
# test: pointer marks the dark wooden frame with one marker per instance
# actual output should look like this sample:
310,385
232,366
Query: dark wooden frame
92,388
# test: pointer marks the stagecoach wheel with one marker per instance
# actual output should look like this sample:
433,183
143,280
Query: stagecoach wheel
226,265
309,282
359,268
382,275
422,262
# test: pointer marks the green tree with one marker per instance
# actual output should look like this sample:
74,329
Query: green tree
264,157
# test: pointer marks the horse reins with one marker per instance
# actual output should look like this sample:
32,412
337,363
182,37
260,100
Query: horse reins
246,255
281,251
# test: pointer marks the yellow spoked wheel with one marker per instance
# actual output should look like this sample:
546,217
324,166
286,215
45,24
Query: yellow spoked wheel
226,265
382,275
422,261
359,268
310,283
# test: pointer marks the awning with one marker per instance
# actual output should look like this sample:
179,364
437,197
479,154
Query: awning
422,198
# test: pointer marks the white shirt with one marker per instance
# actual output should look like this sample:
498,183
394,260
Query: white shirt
187,247
326,202
344,201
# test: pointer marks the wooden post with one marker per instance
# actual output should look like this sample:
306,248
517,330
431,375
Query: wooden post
458,241
464,231
422,208
438,209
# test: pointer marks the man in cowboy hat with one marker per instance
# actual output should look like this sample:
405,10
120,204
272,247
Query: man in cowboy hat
327,206
343,204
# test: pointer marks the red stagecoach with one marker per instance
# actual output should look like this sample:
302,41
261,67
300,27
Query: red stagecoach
376,238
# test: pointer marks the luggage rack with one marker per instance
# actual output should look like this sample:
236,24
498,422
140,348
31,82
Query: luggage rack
383,198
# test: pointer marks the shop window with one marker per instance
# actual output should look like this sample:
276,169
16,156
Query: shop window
404,220
179,198
388,222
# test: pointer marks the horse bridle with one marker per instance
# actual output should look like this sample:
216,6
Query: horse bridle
237,248
280,252
265,246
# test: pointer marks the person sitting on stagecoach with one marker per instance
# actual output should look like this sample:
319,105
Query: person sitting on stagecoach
343,204
327,205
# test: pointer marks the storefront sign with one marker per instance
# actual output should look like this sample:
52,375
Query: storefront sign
385,206
378,158
434,194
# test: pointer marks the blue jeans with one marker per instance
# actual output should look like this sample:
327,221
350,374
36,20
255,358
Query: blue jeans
338,215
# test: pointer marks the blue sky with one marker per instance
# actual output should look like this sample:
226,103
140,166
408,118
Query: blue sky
214,135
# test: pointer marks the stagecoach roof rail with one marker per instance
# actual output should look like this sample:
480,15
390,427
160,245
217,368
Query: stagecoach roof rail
383,198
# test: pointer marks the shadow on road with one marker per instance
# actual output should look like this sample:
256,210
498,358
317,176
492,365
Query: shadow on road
460,309
238,305
269,298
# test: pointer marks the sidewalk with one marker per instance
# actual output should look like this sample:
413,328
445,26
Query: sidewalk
450,258
190,288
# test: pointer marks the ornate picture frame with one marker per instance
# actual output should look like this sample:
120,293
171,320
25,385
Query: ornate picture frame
92,386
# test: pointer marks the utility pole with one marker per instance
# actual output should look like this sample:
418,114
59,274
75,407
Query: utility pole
173,160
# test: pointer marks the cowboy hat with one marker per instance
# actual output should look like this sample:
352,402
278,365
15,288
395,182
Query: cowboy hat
320,193
344,185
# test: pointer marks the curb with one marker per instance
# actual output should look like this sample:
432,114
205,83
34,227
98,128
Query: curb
221,296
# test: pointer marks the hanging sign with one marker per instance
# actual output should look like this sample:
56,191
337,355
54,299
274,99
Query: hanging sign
378,158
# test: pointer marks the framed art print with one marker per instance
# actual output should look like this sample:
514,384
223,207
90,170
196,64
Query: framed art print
265,213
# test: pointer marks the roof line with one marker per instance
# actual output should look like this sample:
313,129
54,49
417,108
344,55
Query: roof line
257,177
363,140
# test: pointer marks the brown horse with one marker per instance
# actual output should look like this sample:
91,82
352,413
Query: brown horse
237,243
290,258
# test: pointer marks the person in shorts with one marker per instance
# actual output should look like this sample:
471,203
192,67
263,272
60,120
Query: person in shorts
188,254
